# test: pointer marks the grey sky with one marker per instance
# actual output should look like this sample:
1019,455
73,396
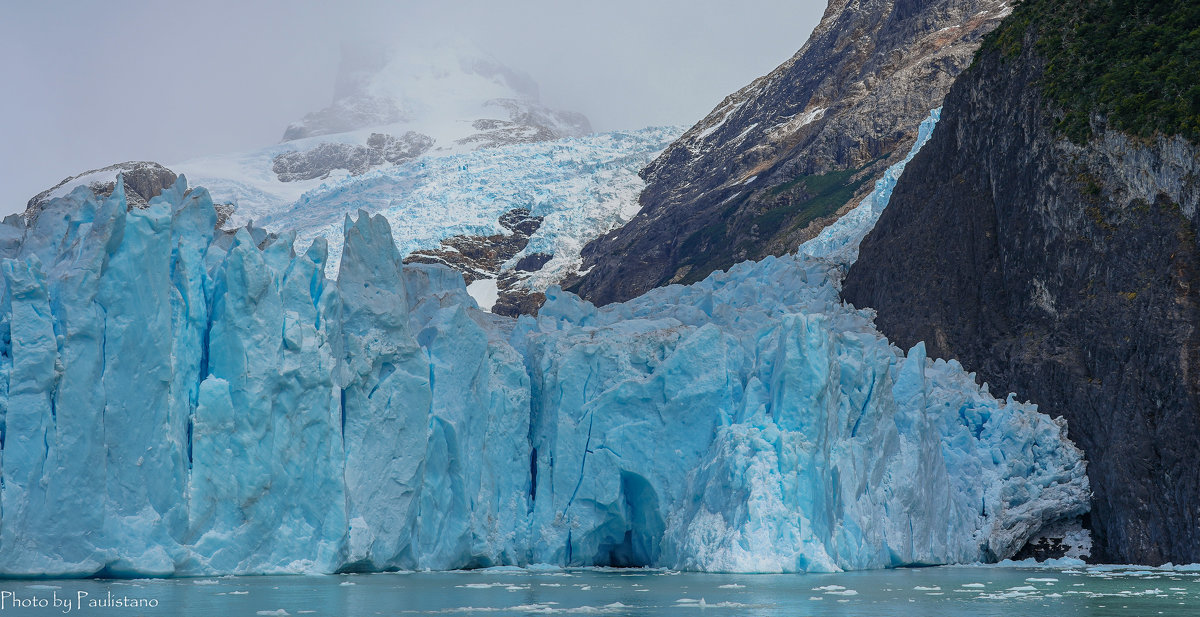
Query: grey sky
87,84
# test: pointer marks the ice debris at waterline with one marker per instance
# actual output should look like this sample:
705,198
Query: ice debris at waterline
178,400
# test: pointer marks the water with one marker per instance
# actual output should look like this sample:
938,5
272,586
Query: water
926,592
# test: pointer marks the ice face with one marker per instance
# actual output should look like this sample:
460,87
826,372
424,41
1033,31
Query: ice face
751,422
178,401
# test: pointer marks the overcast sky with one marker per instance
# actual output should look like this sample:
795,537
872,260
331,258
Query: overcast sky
87,84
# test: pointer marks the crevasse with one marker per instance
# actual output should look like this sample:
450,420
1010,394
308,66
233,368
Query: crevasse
181,401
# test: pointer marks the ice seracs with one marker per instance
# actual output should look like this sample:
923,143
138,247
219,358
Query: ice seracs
820,447
578,187
181,400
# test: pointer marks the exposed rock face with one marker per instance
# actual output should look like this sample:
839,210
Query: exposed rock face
526,124
395,150
224,213
324,158
1068,274
144,180
481,257
781,158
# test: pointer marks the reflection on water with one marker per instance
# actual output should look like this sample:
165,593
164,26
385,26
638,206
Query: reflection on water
949,591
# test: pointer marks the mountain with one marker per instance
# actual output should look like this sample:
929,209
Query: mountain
455,150
1046,238
452,91
782,158
468,167
180,399
463,209
389,108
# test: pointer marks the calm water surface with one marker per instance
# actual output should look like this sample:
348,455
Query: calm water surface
926,592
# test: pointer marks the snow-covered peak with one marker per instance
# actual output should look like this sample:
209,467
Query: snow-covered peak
449,91
453,71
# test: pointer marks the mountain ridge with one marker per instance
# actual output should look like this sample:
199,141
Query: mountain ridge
786,155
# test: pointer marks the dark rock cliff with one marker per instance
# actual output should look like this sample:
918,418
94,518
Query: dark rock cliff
1065,271
483,257
782,158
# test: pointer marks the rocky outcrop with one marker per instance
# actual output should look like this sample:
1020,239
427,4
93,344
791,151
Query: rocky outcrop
1068,273
526,124
319,161
224,213
483,257
144,180
785,156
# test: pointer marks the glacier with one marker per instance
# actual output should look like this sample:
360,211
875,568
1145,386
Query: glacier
581,186
839,241
183,400
752,423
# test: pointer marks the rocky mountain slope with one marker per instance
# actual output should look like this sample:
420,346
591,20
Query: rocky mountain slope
1046,238
780,159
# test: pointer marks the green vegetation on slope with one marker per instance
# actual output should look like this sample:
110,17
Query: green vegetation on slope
787,207
1135,61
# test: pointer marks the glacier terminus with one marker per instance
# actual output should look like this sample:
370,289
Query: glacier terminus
183,400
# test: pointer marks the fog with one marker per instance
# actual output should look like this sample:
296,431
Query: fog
87,84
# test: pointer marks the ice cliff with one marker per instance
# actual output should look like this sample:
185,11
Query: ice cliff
180,400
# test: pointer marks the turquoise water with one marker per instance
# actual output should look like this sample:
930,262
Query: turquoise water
925,592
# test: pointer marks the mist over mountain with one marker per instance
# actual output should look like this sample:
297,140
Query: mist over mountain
225,76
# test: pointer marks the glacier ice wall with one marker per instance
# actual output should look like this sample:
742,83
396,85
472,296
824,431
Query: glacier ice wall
179,400
751,422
